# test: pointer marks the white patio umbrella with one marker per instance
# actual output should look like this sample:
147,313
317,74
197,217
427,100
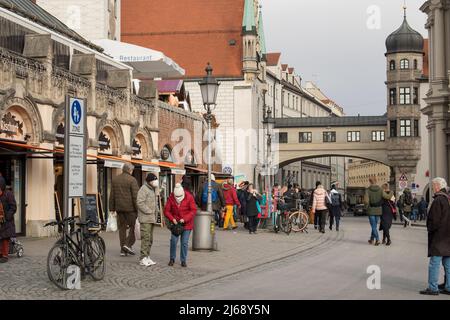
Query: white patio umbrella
147,63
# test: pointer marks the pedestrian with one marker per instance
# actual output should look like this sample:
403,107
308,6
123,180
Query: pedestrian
423,206
180,209
253,208
438,226
406,201
311,200
147,203
218,202
242,197
231,199
400,209
8,208
122,200
373,201
319,206
415,210
336,207
388,213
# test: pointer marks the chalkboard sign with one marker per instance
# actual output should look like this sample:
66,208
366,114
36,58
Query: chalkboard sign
58,216
92,210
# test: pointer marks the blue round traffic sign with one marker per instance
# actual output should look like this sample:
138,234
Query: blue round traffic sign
76,112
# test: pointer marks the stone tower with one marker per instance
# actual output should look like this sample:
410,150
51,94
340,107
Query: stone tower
404,58
250,40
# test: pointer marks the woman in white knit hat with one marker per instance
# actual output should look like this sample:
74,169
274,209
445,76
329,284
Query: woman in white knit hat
180,209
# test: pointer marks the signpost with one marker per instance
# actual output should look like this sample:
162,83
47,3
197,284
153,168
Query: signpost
403,182
75,154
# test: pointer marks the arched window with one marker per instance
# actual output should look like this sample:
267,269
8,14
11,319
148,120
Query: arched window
392,65
404,64
415,64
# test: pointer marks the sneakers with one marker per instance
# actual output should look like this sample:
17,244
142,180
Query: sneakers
429,292
147,262
128,250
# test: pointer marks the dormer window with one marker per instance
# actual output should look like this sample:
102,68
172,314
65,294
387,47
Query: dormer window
392,65
404,64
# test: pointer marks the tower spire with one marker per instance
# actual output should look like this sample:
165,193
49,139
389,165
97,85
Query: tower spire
405,7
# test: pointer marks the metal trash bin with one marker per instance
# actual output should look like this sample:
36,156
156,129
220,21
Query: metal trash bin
204,232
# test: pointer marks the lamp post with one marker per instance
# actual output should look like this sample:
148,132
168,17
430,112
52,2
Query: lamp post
203,238
268,121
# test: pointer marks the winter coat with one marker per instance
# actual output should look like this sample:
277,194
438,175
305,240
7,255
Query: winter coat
373,200
252,207
407,208
186,210
319,202
423,205
438,225
386,209
230,195
7,228
217,205
123,195
242,196
336,211
147,203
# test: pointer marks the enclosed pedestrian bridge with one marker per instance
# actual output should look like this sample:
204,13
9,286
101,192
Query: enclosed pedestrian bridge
365,137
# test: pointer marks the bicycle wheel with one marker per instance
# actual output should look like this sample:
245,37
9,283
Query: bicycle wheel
277,224
299,221
94,256
286,225
57,264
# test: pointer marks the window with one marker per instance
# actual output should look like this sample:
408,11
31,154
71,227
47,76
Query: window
305,137
416,96
392,65
405,128
404,64
405,95
416,128
283,137
415,64
378,136
393,128
353,136
393,96
329,136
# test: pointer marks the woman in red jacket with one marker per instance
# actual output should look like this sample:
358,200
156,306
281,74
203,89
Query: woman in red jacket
180,208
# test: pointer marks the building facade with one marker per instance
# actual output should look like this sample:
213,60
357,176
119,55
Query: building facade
93,20
48,62
437,98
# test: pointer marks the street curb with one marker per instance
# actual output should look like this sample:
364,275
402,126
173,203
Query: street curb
321,240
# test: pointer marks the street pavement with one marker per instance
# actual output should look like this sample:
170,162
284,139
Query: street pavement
262,266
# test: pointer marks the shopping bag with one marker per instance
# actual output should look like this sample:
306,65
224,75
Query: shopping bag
112,223
137,230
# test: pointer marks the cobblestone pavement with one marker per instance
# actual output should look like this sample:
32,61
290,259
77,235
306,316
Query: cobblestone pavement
26,278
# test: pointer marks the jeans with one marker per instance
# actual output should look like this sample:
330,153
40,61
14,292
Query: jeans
183,247
433,272
333,219
374,224
414,215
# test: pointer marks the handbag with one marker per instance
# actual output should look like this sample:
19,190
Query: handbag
137,230
177,229
393,209
112,223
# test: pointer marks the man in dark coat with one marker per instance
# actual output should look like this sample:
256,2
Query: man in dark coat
242,197
8,208
218,201
438,225
122,200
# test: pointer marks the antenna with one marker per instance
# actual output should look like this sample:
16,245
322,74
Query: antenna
405,7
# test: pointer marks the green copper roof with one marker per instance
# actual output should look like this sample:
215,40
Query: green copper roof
262,36
249,23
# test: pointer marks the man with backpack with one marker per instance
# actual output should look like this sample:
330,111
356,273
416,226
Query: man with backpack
406,201
336,207
218,201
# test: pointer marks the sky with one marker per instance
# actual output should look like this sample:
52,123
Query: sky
340,45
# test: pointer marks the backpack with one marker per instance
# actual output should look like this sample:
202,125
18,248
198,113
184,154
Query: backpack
214,194
408,199
335,199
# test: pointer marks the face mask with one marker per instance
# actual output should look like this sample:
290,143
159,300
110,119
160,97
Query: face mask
154,183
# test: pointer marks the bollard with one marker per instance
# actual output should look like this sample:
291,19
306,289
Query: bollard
203,238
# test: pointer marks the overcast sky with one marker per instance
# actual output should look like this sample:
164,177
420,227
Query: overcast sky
339,44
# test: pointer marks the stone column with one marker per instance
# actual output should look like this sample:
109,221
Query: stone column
441,148
439,38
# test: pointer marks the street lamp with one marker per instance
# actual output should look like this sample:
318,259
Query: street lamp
268,125
209,88
203,238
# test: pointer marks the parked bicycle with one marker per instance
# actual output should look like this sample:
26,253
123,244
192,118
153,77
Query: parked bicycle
79,245
282,221
300,219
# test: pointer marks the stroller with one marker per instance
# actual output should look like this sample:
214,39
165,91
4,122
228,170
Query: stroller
15,247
